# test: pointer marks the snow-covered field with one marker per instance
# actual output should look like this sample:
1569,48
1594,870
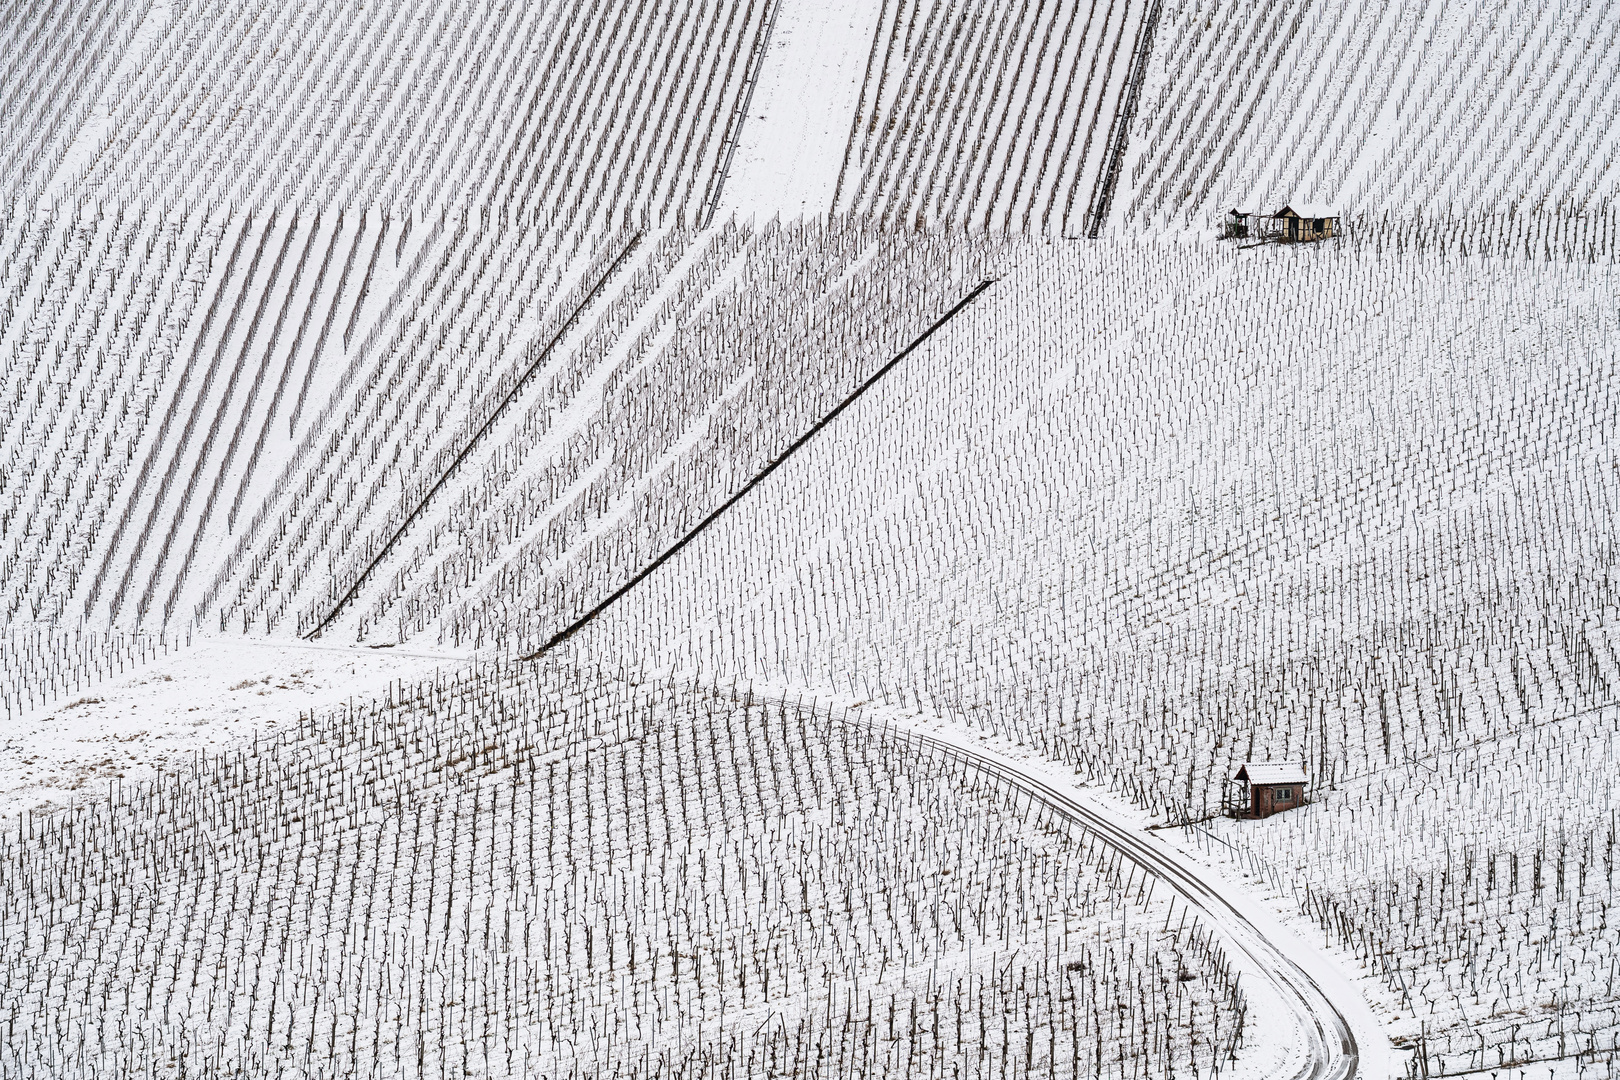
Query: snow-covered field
350,352
1403,109
537,871
1348,505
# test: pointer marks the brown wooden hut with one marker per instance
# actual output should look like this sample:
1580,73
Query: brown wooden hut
1270,787
1306,221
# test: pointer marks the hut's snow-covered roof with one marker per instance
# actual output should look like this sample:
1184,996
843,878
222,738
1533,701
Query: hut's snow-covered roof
1272,772
1309,210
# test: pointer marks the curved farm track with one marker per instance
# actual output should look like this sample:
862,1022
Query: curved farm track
1331,1051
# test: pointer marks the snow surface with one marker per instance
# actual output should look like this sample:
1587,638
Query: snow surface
99,123
794,140
1113,509
214,694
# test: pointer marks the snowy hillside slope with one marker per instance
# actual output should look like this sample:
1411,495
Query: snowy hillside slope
214,244
527,871
58,58
992,117
1485,909
610,448
345,326
300,302
1379,108
1004,118
1261,470
1351,505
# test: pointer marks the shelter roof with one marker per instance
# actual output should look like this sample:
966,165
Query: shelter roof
1272,772
1309,210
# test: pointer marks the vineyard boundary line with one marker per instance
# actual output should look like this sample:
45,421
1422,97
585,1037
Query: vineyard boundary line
871,381
528,373
1119,131
739,114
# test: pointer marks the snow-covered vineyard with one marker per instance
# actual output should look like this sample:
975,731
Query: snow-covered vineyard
549,872
696,538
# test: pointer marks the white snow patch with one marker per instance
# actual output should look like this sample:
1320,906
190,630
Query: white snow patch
792,143
211,695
